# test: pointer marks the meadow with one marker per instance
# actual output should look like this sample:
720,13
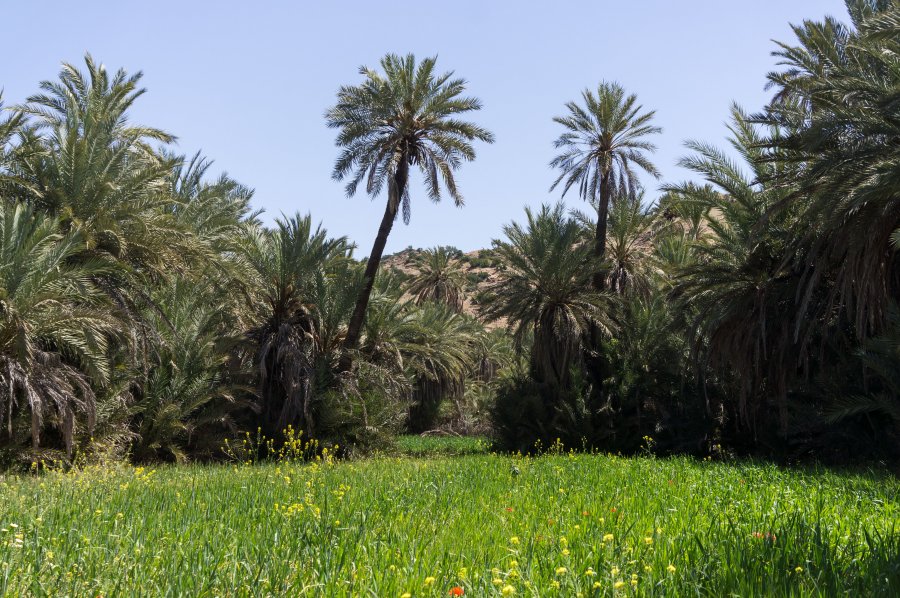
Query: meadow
474,525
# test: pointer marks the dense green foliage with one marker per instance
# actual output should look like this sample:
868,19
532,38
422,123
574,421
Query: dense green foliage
147,313
490,525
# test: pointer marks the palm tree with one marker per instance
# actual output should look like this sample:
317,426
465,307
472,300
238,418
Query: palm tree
739,288
193,383
9,127
543,287
438,278
82,160
836,113
603,141
292,263
218,212
431,345
392,121
55,325
440,354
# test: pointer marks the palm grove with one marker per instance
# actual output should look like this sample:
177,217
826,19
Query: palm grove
147,311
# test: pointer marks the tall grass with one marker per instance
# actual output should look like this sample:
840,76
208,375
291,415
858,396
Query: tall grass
564,525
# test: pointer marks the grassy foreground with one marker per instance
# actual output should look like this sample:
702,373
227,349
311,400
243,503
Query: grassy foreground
476,525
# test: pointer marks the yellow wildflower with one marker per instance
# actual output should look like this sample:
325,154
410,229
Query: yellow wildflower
508,590
561,570
671,568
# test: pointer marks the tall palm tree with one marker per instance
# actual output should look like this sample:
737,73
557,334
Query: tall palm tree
543,287
603,141
55,325
405,117
438,278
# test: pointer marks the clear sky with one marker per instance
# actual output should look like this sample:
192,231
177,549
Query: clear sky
248,82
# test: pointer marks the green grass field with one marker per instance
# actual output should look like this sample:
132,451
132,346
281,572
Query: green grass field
479,524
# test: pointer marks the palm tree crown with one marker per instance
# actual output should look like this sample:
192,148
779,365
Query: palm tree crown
439,278
544,288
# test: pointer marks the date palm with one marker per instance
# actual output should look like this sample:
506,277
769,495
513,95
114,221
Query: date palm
836,107
604,140
405,117
738,288
629,240
193,385
10,126
438,278
85,162
291,264
55,326
543,287
431,346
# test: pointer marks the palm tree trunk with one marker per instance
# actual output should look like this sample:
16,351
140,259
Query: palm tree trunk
593,361
600,239
354,330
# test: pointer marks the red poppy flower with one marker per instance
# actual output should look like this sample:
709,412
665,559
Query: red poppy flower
509,509
456,591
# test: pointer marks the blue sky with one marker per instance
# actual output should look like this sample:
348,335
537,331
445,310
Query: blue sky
248,82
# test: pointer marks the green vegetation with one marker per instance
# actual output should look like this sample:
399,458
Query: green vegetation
148,315
441,446
490,525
